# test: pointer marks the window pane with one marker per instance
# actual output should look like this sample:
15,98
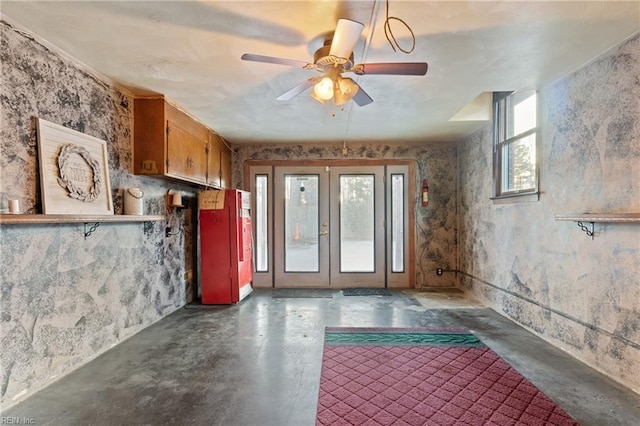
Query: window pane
524,114
501,118
356,223
498,117
301,223
519,164
261,220
397,223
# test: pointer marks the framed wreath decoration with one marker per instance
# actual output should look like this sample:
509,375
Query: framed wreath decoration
63,165
73,171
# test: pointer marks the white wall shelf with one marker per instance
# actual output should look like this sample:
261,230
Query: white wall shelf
593,218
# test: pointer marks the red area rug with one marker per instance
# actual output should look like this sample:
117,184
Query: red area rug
424,377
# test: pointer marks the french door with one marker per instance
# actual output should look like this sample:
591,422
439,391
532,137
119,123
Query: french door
301,227
339,226
356,214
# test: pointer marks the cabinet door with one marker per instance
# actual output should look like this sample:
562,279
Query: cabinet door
225,168
149,131
186,155
213,168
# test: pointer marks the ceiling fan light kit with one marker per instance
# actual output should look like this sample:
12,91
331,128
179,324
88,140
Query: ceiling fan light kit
334,58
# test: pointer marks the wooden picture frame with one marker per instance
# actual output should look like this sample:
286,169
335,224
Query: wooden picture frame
74,172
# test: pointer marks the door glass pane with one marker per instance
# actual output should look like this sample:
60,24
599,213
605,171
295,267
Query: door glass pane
357,252
397,223
261,220
301,223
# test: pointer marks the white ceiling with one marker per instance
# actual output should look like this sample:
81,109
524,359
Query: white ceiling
190,51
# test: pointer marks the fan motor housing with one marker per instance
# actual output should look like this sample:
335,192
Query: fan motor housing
322,59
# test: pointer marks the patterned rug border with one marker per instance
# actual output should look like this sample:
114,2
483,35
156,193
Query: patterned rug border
387,336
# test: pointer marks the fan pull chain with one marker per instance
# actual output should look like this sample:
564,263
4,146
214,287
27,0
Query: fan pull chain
389,33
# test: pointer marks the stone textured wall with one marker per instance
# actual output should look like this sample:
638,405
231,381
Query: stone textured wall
580,294
65,299
435,227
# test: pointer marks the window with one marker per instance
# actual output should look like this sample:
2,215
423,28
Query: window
397,222
515,144
261,222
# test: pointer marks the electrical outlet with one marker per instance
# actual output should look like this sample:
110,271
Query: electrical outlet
439,271
167,231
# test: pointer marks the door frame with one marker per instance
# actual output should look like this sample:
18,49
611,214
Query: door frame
266,279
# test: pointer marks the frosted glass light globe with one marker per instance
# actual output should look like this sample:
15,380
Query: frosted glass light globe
324,89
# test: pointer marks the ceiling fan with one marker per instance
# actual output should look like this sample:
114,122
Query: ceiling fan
334,58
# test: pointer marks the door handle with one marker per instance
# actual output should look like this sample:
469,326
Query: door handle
324,233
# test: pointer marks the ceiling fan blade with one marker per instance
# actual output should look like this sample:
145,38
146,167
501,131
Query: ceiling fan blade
273,60
296,90
392,68
361,97
345,38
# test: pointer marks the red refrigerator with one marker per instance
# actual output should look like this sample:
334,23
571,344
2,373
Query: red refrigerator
225,246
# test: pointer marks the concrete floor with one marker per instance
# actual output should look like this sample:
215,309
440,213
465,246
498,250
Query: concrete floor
258,363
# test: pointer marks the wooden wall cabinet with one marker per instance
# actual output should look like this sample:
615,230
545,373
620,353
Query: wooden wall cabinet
169,143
